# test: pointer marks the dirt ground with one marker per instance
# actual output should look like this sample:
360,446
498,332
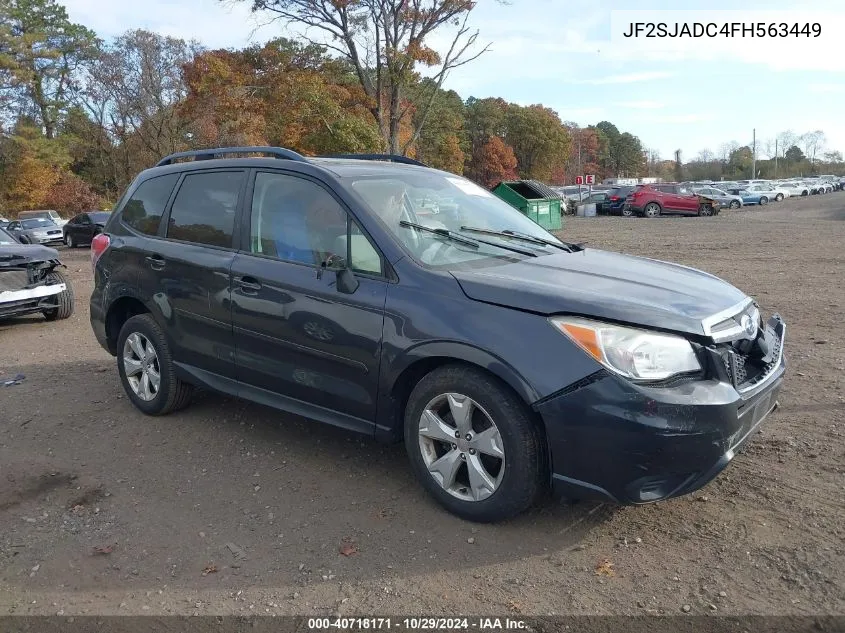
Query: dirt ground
229,507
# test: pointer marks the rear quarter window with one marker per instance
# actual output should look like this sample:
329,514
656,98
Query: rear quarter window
145,207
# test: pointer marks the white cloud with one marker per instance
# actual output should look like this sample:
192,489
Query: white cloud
827,88
679,118
628,78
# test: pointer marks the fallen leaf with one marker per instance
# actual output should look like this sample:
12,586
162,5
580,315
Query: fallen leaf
78,509
605,568
514,606
209,569
348,549
105,549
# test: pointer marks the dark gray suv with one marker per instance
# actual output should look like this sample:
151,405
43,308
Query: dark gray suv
506,359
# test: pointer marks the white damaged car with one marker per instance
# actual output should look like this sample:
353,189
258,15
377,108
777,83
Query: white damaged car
30,282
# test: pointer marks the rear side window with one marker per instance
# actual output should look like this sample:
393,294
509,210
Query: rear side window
204,209
144,209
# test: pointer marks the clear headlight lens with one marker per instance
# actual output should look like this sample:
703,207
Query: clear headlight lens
633,353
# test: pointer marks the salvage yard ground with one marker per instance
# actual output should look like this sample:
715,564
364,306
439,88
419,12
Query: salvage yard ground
229,507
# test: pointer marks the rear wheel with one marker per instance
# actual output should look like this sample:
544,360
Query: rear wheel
764,200
651,210
146,368
69,241
734,204
779,197
627,212
473,445
64,300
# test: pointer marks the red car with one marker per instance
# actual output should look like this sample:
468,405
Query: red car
668,198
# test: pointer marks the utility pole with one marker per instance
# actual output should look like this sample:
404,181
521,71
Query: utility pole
754,155
776,158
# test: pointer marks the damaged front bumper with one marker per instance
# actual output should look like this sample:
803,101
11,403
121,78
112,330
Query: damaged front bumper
616,441
26,286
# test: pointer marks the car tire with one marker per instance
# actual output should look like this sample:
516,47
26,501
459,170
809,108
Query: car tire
516,479
627,212
734,204
24,239
652,210
65,298
764,200
804,193
142,334
705,210
779,197
69,241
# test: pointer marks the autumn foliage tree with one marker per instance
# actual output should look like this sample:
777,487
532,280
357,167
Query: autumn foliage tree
496,162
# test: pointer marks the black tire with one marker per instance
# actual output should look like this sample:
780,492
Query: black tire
523,480
779,197
764,200
652,210
705,210
734,204
24,239
69,241
627,212
173,394
65,298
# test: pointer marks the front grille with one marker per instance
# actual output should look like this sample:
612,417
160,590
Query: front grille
745,371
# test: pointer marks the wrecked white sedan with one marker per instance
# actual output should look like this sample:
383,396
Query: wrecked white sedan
30,282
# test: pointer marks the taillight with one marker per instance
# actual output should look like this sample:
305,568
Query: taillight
98,246
614,198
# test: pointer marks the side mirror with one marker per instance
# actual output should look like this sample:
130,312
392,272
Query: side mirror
347,282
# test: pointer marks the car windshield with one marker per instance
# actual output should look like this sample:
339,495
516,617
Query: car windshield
99,216
6,239
37,223
456,204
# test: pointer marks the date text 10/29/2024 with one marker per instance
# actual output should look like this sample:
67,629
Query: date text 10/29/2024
417,624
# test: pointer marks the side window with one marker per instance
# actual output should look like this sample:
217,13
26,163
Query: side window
144,209
83,219
296,220
203,211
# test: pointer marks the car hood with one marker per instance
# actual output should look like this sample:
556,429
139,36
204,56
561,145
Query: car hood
13,255
605,285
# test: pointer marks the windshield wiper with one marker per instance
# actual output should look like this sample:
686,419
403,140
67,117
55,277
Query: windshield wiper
564,246
439,231
464,240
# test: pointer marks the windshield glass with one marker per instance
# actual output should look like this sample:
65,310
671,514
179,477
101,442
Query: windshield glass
6,239
440,201
37,223
99,216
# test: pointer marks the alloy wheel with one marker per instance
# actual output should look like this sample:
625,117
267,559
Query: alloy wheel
651,210
141,366
461,447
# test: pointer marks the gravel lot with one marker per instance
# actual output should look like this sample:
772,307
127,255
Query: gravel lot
230,507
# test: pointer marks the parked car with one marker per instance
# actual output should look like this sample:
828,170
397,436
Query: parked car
506,358
669,198
616,201
724,198
750,197
30,282
36,231
796,189
48,214
771,193
4,223
82,228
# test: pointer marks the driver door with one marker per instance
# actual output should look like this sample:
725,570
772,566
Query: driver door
297,336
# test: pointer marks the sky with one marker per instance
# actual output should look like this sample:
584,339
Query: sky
570,55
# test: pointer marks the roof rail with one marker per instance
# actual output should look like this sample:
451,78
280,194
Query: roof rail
394,158
206,154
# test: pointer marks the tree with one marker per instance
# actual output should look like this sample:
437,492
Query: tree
623,152
794,154
40,52
496,162
833,157
132,90
740,161
812,143
386,42
442,142
538,138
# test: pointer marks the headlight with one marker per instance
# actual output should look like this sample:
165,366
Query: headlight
633,353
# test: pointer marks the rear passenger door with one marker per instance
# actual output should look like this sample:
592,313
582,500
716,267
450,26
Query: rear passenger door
300,341
189,269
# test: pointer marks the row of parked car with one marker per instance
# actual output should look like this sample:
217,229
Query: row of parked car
704,197
49,229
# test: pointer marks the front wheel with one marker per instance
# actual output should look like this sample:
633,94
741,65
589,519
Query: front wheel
64,300
705,210
473,445
146,368
69,241
734,204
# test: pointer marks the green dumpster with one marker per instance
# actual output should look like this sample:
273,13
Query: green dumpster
534,199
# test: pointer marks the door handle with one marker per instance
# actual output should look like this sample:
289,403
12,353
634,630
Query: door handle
249,285
156,262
